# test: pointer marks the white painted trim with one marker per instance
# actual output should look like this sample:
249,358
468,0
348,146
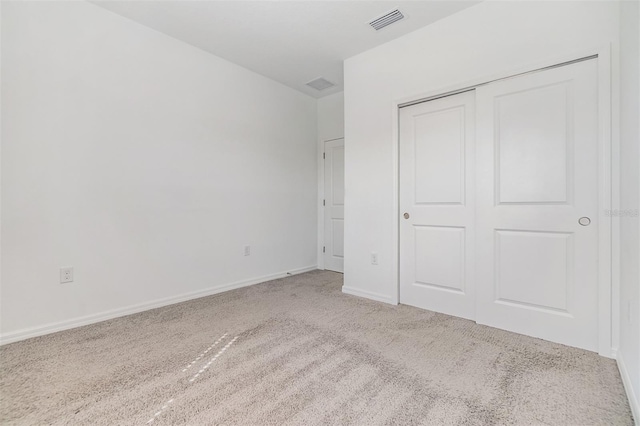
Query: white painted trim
395,213
609,175
626,381
368,295
607,146
613,77
145,306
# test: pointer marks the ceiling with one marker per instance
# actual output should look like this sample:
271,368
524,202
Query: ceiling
292,42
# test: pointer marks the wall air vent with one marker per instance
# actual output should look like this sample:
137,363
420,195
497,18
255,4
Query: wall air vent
320,84
386,19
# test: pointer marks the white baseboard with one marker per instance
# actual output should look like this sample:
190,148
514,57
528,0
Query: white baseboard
368,295
628,387
27,333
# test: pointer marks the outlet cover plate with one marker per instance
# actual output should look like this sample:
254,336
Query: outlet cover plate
66,275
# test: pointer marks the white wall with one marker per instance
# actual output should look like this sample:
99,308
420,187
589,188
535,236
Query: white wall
144,163
484,40
330,126
629,350
331,117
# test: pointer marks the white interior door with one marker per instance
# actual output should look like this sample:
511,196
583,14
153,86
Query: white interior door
537,171
334,205
437,205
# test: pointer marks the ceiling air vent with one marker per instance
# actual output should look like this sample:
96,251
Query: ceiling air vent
320,84
386,19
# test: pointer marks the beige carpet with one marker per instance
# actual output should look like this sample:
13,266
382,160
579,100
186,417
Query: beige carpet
297,351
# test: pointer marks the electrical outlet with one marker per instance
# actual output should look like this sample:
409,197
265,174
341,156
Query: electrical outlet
66,275
247,250
374,258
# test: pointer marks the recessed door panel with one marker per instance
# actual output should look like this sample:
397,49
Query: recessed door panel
534,269
439,156
533,139
337,231
337,175
439,254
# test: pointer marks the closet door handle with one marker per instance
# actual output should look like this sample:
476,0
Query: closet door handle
406,215
584,221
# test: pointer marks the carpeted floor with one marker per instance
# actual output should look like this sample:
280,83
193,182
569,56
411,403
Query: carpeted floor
297,351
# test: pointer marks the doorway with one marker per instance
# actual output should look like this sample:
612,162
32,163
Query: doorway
333,249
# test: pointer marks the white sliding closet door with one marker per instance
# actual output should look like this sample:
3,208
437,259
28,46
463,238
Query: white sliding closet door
437,204
537,204
499,204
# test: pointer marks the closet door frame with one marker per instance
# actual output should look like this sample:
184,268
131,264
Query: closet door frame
608,183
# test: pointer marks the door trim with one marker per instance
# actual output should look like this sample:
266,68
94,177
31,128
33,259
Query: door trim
608,184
